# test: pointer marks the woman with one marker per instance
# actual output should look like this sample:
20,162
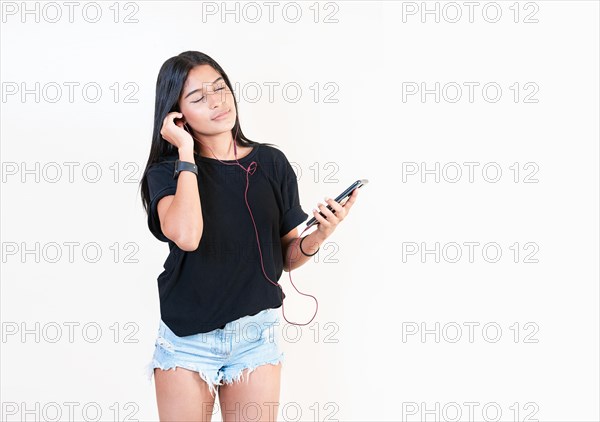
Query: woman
229,210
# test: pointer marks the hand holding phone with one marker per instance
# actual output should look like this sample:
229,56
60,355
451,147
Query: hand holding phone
340,199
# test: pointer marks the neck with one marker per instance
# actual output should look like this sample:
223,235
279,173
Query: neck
220,145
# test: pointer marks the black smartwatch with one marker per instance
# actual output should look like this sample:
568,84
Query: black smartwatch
184,166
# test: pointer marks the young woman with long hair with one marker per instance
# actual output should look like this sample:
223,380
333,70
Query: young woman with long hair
229,209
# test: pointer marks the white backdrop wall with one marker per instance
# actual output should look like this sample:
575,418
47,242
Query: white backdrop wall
462,286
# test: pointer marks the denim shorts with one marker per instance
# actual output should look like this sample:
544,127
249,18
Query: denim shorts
221,355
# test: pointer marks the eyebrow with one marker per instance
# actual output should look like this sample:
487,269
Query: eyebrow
199,89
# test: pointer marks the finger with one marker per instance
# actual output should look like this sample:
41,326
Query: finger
320,218
337,207
330,216
340,211
351,200
173,115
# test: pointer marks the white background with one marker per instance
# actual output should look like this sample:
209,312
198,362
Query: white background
369,292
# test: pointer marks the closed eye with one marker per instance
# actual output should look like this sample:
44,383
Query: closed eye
201,98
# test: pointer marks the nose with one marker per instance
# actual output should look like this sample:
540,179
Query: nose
215,98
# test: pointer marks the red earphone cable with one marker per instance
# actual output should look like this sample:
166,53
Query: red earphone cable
249,171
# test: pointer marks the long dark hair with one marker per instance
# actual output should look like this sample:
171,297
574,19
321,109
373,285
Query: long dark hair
169,85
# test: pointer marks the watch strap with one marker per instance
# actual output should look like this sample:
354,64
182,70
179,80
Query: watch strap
184,166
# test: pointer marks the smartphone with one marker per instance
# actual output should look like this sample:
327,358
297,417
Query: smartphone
340,199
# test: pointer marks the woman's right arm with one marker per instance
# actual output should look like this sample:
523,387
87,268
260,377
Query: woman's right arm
180,215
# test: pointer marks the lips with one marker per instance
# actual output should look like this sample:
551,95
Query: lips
221,114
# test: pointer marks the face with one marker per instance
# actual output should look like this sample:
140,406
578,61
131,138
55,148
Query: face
205,95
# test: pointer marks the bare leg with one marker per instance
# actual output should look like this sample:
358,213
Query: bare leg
255,398
182,395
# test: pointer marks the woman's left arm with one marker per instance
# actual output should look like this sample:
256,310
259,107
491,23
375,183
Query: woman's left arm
291,242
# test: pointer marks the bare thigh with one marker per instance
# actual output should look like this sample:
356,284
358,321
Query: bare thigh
182,395
256,399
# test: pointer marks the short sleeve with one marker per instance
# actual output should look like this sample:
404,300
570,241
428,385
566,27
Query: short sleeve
160,184
293,214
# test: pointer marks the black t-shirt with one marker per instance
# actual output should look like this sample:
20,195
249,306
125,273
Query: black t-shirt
222,280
